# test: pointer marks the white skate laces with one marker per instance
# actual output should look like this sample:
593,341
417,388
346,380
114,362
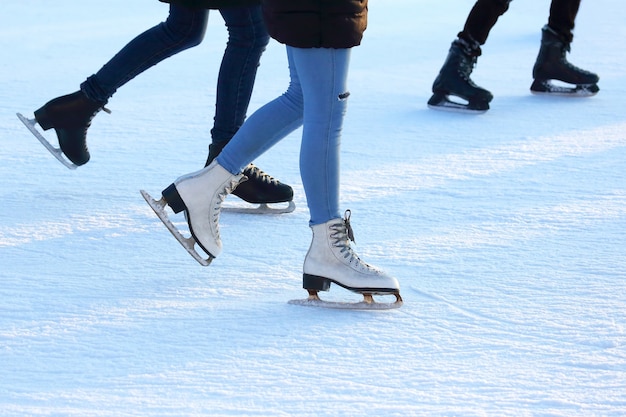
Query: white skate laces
253,171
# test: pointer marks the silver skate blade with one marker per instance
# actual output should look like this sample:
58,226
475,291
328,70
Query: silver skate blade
550,89
573,92
187,242
451,106
368,303
263,208
56,152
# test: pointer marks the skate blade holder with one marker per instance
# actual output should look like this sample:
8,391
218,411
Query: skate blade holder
188,243
56,152
368,302
368,299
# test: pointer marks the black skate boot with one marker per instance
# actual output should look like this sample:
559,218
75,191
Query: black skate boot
454,80
552,64
70,116
260,188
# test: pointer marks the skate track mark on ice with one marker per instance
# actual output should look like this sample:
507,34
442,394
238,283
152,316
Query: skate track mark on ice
58,154
469,313
507,328
484,162
187,242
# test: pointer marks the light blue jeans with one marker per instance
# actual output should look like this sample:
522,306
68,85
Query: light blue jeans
316,100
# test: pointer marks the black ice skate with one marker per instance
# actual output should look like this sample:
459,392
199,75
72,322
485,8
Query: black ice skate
261,189
70,116
552,64
454,80
264,190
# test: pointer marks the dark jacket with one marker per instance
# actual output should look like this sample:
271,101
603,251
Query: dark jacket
213,4
316,23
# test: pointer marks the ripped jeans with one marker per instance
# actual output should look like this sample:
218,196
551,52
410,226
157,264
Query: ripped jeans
316,99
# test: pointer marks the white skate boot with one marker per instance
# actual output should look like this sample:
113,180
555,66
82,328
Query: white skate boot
200,194
331,259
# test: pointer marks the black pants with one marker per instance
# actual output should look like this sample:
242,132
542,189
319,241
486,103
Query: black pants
485,14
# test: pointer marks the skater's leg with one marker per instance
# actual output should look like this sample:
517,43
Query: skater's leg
318,76
454,78
325,95
183,29
71,115
200,193
563,16
552,63
266,126
481,19
323,74
247,39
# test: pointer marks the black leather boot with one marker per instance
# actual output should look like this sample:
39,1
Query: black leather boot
454,80
70,116
552,64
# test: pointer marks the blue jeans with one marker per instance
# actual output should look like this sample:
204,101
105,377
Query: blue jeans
316,100
183,29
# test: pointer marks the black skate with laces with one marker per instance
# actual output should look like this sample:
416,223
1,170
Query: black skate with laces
260,189
552,64
454,80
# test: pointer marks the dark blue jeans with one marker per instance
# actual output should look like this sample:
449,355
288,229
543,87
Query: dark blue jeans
183,29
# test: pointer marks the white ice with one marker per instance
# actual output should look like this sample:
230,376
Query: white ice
506,232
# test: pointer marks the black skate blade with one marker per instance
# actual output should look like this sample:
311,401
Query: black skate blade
368,303
187,242
56,152
263,208
445,104
546,87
